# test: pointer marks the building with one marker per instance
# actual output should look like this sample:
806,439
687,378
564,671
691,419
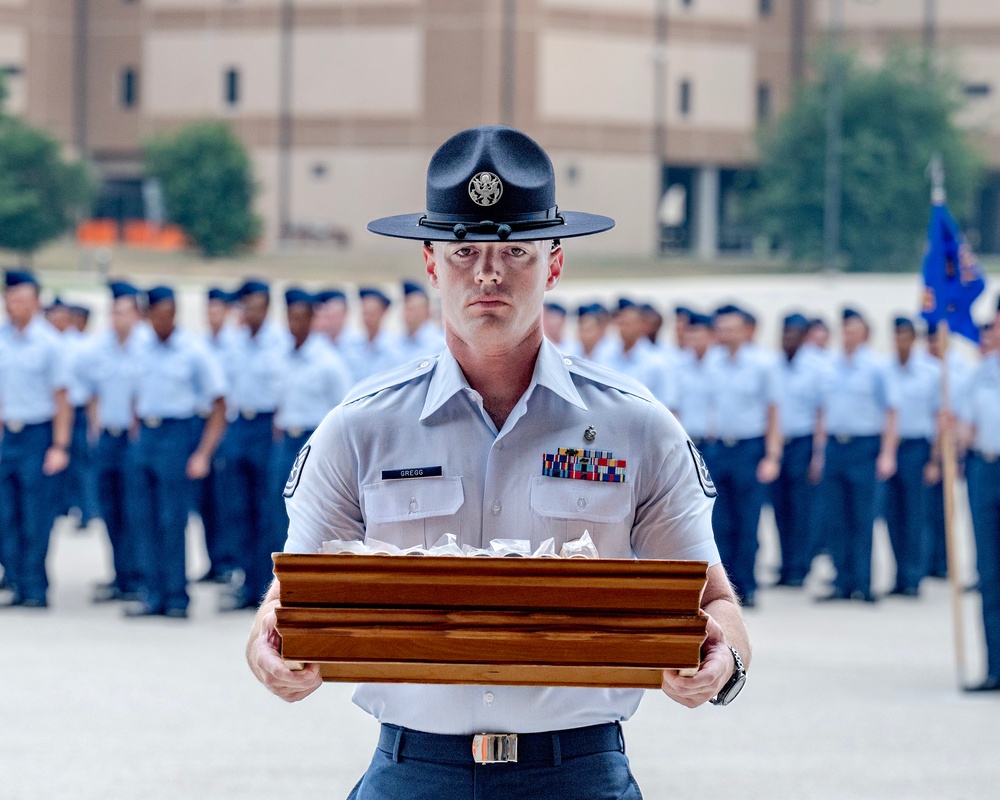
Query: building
342,101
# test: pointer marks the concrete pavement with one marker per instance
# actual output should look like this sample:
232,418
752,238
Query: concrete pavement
844,701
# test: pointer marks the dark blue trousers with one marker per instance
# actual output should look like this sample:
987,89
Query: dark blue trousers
848,497
793,497
79,479
736,515
158,509
282,458
245,498
27,496
907,499
937,558
115,475
218,540
407,764
984,497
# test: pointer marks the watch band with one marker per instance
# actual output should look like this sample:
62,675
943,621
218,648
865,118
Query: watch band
733,686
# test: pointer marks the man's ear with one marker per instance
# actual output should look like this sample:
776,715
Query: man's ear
555,267
430,265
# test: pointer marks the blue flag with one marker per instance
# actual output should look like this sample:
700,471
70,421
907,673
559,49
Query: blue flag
953,278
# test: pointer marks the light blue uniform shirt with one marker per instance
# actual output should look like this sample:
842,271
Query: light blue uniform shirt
919,385
250,364
79,391
693,401
108,369
312,380
857,394
980,406
800,391
492,486
603,350
367,357
33,368
743,387
174,377
645,364
219,345
427,341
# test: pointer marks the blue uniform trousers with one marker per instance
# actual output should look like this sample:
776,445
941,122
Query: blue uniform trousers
245,497
218,540
793,496
984,497
115,474
848,497
907,499
79,480
937,557
736,515
158,509
282,459
26,501
582,764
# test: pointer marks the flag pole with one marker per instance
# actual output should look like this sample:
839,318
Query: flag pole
949,476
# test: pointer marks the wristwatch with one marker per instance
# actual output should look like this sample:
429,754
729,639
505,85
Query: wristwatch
728,692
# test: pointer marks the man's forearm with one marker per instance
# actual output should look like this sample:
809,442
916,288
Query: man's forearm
730,618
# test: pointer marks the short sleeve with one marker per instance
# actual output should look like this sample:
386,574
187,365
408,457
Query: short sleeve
211,377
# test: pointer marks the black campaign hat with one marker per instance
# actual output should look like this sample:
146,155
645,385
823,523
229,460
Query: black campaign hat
491,184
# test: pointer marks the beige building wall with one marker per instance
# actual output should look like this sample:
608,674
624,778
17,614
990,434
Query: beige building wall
13,56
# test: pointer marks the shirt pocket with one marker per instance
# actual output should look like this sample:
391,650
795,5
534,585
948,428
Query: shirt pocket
416,511
563,508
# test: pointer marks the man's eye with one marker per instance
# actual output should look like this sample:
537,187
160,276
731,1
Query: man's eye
517,251
463,251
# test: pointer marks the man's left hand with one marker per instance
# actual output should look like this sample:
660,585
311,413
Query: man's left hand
717,666
198,466
56,460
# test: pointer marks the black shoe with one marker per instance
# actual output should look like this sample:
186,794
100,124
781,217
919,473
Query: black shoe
236,602
34,602
176,613
141,609
991,684
836,594
106,593
749,600
864,597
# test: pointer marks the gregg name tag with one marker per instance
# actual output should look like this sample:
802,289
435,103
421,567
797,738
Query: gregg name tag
413,472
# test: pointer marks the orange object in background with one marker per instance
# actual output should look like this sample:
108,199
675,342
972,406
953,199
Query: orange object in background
135,233
97,232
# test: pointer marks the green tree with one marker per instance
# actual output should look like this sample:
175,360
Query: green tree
41,194
208,186
896,116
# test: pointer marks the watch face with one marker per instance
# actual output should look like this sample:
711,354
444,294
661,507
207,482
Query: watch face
735,689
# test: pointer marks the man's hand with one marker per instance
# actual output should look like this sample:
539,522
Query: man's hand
885,467
768,470
264,658
717,667
56,460
932,473
198,466
816,466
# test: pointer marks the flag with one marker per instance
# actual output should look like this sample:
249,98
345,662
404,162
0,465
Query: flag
953,278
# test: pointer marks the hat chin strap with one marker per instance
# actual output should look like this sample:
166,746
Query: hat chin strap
461,224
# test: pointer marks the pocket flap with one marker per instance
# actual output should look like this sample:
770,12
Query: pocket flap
571,499
416,498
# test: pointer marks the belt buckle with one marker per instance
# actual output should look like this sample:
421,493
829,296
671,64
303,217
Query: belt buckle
844,439
248,413
15,426
115,431
295,433
494,748
730,442
153,422
990,458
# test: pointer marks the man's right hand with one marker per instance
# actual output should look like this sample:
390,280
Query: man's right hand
264,657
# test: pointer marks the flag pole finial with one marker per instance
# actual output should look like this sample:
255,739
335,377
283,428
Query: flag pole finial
935,170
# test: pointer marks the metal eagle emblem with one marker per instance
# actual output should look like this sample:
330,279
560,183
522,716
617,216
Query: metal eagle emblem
485,189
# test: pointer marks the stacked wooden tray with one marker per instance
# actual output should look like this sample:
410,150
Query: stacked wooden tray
516,621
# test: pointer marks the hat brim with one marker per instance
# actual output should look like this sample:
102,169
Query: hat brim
575,223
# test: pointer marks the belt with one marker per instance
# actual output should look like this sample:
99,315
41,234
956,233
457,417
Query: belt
551,747
114,431
156,422
252,413
295,432
16,426
844,438
989,458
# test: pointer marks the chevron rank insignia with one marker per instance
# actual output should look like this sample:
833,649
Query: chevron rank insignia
704,476
584,465
296,474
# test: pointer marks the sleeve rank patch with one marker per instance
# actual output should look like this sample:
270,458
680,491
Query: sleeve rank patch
296,474
704,476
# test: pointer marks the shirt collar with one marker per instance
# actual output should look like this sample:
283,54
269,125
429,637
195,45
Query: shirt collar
551,371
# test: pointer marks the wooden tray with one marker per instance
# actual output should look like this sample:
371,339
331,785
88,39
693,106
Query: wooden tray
517,621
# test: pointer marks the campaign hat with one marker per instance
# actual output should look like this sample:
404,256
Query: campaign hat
490,184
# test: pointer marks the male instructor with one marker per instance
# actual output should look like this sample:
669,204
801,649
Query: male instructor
485,414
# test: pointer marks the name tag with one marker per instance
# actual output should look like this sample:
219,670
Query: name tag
413,472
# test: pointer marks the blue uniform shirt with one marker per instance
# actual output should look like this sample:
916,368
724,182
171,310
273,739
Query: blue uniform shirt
800,391
919,385
491,485
79,390
427,341
312,380
108,370
857,394
174,377
981,405
250,364
693,398
646,364
743,387
33,368
365,357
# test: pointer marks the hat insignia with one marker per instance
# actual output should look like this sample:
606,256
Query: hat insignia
485,189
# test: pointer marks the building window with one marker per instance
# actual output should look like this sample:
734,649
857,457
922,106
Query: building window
763,102
684,104
687,3
766,6
129,87
977,89
232,86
